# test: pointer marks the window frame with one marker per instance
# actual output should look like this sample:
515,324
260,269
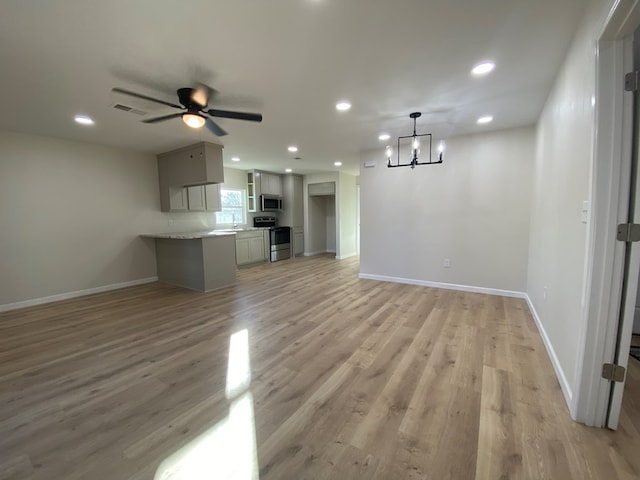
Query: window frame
242,207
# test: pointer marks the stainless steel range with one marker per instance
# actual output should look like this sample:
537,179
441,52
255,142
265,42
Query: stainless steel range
279,237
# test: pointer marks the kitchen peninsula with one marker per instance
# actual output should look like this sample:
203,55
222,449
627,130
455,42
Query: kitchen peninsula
202,261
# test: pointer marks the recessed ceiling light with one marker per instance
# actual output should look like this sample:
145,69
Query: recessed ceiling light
235,159
288,170
485,119
384,136
483,68
337,164
83,120
293,148
343,106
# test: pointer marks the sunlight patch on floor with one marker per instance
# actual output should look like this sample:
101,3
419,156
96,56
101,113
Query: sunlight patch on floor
228,449
239,365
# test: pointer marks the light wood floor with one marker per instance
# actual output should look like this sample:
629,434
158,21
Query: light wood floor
349,379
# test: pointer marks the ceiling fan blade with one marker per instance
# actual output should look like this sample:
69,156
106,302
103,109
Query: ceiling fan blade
144,97
214,128
252,117
162,119
201,94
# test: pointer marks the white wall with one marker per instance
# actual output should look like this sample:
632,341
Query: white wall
562,177
330,222
72,214
473,209
348,214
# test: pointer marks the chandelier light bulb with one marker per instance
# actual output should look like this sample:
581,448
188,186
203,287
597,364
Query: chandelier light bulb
389,152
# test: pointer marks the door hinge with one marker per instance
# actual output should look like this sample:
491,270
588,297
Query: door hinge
628,232
613,372
632,82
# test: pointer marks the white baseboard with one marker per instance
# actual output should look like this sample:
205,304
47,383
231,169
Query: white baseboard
79,293
448,286
562,379
319,252
349,255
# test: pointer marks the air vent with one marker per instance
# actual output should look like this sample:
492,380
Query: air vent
127,108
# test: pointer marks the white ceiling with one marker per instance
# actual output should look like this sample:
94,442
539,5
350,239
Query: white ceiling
291,60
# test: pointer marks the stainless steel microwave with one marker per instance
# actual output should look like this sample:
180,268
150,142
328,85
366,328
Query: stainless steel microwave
270,203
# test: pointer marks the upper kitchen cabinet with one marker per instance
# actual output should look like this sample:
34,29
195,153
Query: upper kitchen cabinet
199,164
202,198
252,194
320,189
270,184
293,201
212,200
261,183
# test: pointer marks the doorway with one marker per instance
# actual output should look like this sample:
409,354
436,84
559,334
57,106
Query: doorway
322,219
593,402
623,363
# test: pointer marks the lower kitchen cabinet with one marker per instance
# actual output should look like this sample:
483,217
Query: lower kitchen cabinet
251,247
298,241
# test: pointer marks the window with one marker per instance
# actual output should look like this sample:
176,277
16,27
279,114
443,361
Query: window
233,209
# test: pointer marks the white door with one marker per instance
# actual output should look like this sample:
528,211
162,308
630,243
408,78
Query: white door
632,265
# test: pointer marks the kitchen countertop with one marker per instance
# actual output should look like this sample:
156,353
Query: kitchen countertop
201,234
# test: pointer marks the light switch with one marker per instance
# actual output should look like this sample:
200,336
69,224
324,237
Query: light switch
585,211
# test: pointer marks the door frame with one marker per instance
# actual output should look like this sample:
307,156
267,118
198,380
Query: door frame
610,179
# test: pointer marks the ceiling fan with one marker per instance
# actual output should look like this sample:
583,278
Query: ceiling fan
194,102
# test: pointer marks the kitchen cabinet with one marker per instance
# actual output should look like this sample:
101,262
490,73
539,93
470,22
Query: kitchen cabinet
252,194
212,197
293,201
298,241
200,198
195,196
325,188
270,184
178,201
251,246
195,165
199,262
293,211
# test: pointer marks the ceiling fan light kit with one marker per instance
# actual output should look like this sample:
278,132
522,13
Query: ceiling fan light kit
415,148
195,102
193,120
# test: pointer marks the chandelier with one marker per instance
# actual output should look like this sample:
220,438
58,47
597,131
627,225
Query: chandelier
415,148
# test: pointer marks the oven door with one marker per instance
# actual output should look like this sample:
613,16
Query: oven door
280,243
280,235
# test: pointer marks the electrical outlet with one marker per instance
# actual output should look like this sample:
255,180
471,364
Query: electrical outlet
544,292
447,263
